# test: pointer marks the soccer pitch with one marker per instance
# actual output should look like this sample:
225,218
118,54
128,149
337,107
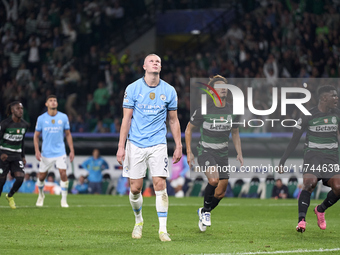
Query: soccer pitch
103,224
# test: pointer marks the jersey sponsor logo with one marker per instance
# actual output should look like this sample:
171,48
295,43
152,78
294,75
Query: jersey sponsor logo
141,95
13,138
126,100
217,125
324,128
125,94
152,96
53,121
60,122
53,129
325,120
314,122
149,106
162,97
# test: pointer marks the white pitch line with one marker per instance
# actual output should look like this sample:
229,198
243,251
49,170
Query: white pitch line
274,252
128,205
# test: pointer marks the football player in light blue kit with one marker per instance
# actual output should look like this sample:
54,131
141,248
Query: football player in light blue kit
52,125
146,104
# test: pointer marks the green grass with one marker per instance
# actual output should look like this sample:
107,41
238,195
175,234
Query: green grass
103,225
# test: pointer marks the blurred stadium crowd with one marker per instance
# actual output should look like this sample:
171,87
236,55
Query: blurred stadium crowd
63,48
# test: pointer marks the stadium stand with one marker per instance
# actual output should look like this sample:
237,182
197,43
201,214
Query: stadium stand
74,49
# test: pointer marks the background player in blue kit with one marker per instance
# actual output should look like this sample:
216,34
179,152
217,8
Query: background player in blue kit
146,104
95,165
52,125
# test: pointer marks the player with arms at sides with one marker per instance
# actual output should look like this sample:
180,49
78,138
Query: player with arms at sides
12,152
215,127
52,125
321,160
147,102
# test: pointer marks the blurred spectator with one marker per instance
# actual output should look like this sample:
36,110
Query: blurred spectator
28,185
122,186
297,191
11,9
24,77
8,184
280,191
95,165
100,99
16,57
81,187
178,176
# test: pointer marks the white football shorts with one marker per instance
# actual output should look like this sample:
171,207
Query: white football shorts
137,160
47,163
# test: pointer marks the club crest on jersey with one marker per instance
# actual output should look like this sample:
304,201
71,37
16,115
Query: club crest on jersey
60,122
325,120
222,118
18,131
152,96
333,120
163,97
23,131
53,121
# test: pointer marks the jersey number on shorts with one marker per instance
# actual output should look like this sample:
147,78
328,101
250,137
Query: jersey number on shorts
166,164
21,164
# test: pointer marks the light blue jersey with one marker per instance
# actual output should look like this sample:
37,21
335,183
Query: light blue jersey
52,129
150,106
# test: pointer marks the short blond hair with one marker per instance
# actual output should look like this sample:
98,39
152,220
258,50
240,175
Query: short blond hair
151,54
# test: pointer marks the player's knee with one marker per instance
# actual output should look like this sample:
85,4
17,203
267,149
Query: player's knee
135,190
159,184
213,181
336,187
19,174
309,186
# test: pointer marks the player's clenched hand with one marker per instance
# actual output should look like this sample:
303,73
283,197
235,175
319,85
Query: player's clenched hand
38,155
71,156
3,156
190,159
120,155
177,155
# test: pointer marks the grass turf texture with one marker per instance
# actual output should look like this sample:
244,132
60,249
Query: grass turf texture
103,225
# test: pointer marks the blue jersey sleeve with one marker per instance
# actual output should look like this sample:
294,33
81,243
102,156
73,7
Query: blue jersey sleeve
86,163
67,123
38,126
173,100
128,101
104,165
